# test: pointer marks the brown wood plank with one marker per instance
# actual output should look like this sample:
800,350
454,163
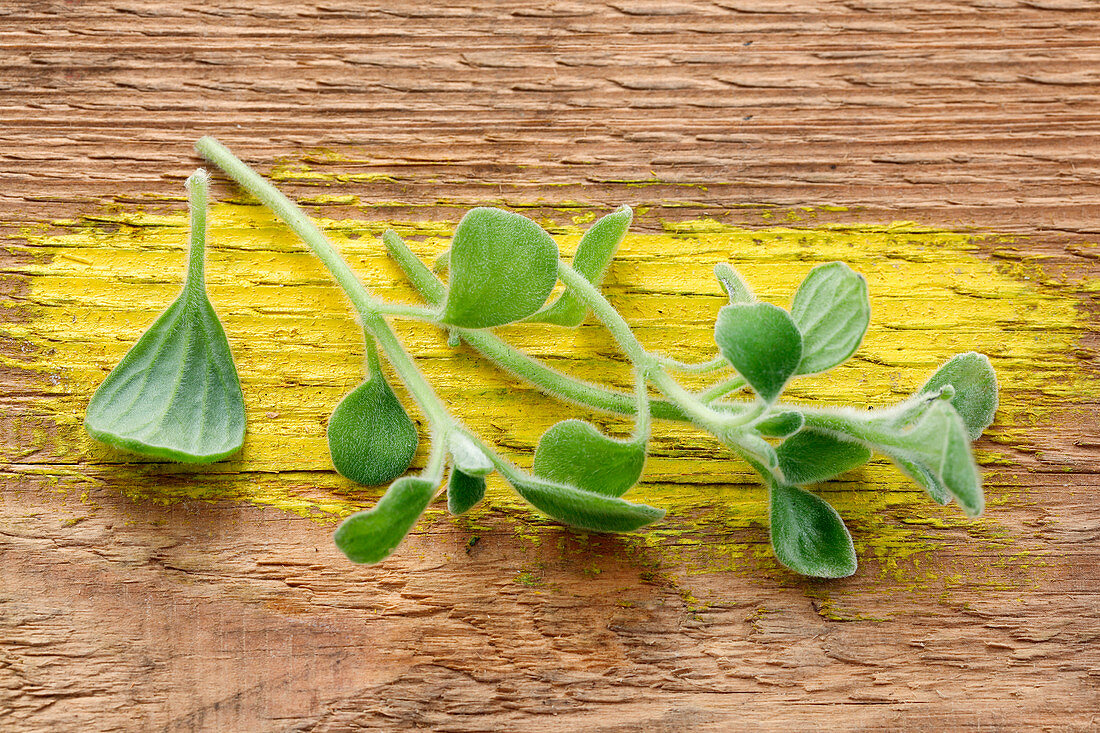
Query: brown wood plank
120,613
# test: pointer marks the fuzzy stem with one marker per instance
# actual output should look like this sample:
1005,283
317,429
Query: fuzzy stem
197,187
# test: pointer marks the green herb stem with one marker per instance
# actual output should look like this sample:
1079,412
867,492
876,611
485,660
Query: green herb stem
198,186
714,364
292,216
367,307
721,389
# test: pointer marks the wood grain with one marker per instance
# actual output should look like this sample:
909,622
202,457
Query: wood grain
119,613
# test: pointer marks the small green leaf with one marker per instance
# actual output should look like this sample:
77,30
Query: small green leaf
811,456
371,438
176,393
975,385
762,343
832,311
502,269
762,452
583,509
468,457
808,536
464,491
372,535
575,453
591,260
780,424
939,444
735,287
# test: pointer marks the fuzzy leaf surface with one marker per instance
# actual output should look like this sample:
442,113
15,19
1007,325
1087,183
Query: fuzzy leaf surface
176,393
468,458
832,311
594,254
502,269
371,438
584,509
975,384
372,535
811,456
464,491
808,536
762,343
939,445
575,453
781,424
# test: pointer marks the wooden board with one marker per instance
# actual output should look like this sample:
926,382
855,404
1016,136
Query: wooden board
138,596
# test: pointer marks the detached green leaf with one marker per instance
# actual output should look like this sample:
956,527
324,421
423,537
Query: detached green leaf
591,260
371,438
808,536
832,311
372,535
584,509
468,457
464,491
811,456
575,453
502,269
176,393
762,343
975,385
732,283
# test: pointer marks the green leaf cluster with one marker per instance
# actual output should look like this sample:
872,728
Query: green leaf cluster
176,394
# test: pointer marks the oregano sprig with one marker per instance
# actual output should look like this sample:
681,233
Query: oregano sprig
502,268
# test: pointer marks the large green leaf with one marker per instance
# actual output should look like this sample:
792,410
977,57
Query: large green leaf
583,509
808,536
575,453
832,311
975,384
372,535
502,269
371,438
811,456
176,393
591,260
762,343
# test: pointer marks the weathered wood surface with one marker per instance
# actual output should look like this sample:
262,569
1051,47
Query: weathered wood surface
118,612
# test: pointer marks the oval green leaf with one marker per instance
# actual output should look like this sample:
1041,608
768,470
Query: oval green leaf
832,311
593,255
975,384
372,535
575,453
812,456
371,438
176,393
583,509
464,491
502,269
808,536
762,343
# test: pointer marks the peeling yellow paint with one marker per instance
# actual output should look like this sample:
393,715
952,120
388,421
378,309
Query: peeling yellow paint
96,286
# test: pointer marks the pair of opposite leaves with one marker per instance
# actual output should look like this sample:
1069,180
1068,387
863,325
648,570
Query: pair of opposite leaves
503,268
929,440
